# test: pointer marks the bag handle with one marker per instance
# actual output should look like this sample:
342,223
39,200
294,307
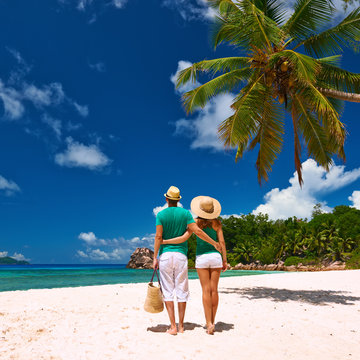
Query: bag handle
152,278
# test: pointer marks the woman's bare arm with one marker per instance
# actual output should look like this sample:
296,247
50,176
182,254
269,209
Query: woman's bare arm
220,236
179,239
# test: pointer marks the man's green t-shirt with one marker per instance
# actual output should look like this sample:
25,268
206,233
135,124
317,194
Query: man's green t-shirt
174,221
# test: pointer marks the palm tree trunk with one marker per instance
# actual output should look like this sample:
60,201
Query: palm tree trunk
341,95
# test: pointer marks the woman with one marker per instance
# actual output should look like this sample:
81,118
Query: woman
209,262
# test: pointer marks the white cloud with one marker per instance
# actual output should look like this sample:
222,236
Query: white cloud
17,92
52,94
83,110
116,249
100,67
233,215
355,198
16,256
80,155
157,209
89,238
299,202
191,9
22,69
182,65
11,99
54,124
71,126
119,3
203,129
82,4
19,257
8,187
82,254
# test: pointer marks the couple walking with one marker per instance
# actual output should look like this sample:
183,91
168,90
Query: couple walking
174,226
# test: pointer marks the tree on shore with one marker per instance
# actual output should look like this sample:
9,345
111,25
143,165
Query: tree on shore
288,66
252,238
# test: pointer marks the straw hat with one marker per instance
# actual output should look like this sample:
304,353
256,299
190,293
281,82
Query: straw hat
205,207
173,193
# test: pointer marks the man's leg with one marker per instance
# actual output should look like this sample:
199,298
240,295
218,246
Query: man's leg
181,287
171,312
181,307
167,286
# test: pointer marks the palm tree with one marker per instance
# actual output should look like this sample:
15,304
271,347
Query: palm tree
245,248
273,77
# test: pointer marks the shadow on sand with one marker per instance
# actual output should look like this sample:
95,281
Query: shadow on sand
219,327
314,297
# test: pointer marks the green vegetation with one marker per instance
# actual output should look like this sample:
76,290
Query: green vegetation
10,261
354,261
279,67
326,237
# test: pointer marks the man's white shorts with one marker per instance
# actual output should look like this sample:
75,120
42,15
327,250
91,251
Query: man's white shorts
173,268
209,261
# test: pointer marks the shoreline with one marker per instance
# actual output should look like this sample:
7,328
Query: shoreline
297,316
52,279
331,266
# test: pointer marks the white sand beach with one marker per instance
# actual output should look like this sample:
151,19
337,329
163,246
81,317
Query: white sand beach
277,316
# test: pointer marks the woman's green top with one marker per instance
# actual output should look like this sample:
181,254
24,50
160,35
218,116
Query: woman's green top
203,247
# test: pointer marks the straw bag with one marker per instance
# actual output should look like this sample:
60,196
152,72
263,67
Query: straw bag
154,302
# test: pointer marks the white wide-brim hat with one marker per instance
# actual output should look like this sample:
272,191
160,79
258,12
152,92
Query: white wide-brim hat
205,207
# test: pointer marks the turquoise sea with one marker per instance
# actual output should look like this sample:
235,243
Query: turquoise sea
26,277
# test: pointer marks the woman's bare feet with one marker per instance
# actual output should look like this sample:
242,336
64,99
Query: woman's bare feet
210,329
172,331
181,329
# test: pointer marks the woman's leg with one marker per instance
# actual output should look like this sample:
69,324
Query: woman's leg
214,281
204,276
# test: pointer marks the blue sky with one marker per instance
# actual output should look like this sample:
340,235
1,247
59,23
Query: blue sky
92,132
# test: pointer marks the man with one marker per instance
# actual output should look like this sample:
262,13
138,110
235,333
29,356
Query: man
173,264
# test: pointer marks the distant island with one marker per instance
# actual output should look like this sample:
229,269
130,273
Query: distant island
7,260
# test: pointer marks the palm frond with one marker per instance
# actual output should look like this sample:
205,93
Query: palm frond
273,9
333,40
317,142
326,113
331,76
331,60
238,129
269,136
308,17
262,30
246,26
223,83
212,67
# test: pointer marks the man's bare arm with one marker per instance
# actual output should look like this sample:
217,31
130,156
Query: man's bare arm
202,235
157,243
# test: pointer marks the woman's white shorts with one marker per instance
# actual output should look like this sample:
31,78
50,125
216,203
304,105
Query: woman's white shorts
173,268
206,261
